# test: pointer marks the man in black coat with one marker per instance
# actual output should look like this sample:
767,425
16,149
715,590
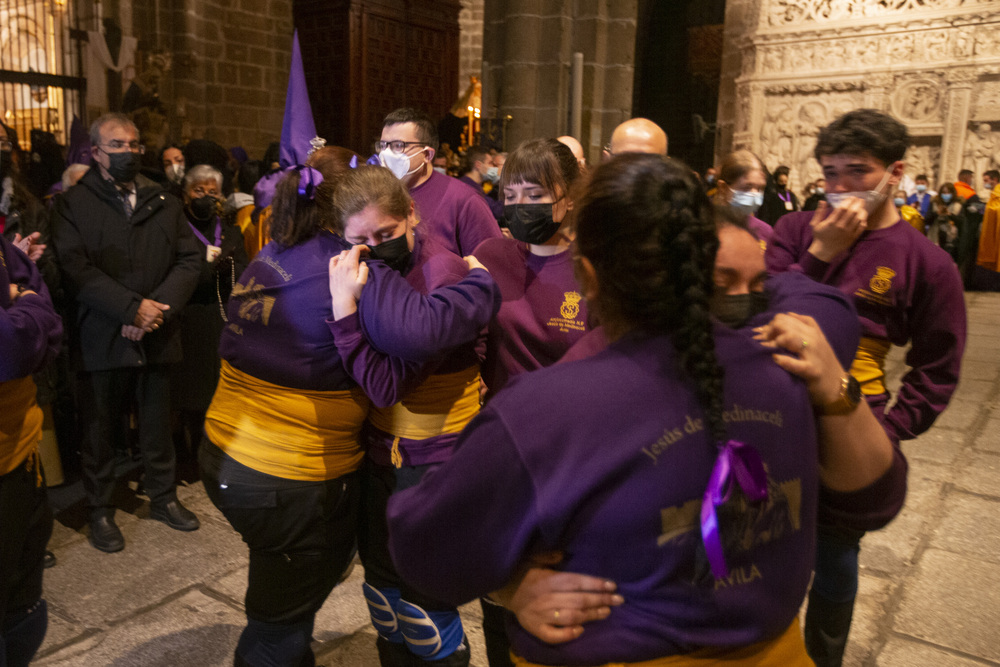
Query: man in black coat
129,262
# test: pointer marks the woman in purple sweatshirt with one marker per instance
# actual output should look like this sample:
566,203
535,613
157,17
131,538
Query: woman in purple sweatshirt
413,430
681,462
282,450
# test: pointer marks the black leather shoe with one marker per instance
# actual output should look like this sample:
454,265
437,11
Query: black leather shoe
48,560
174,515
105,536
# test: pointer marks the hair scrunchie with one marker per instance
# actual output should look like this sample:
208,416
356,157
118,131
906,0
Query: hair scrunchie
309,180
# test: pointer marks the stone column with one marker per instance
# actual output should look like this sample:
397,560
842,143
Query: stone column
959,102
529,46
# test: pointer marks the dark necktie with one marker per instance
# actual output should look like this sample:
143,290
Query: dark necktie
125,194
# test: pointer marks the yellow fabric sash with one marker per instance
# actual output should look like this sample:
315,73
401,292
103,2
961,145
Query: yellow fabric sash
868,367
289,433
988,255
441,404
788,650
912,216
20,423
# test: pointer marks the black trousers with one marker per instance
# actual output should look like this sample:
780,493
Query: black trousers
25,528
104,401
301,534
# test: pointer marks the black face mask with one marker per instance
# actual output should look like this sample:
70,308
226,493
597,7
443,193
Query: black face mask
5,162
394,252
735,310
123,167
530,223
203,208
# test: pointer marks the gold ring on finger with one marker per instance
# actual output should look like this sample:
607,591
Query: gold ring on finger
555,614
805,343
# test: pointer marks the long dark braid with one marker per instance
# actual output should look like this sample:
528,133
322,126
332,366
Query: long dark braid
648,229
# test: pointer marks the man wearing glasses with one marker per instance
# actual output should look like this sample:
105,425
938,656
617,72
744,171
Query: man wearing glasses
130,262
450,211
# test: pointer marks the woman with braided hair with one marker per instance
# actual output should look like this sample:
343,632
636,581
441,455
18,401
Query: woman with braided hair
681,462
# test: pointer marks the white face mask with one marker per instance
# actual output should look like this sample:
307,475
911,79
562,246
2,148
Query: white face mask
493,174
746,202
873,198
398,163
175,173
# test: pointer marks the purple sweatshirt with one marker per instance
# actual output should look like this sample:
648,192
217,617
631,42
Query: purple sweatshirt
280,315
606,459
455,215
543,313
431,268
30,329
878,503
905,290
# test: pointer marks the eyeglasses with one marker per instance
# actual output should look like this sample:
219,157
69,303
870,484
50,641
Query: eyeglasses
396,146
133,146
6,145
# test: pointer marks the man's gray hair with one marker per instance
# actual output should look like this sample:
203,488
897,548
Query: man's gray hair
202,172
110,119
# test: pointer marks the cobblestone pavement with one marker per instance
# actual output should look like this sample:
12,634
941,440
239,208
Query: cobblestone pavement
930,581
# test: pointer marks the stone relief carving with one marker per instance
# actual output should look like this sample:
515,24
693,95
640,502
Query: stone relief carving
918,101
923,160
782,13
987,101
791,123
982,149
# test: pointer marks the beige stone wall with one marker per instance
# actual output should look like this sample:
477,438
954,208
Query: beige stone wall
470,48
228,66
529,47
790,67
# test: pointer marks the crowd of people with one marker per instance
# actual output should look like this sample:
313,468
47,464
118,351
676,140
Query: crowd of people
640,414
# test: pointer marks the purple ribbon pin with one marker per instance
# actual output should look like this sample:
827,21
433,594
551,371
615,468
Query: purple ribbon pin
736,462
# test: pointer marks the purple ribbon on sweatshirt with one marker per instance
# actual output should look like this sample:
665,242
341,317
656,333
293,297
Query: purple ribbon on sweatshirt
740,463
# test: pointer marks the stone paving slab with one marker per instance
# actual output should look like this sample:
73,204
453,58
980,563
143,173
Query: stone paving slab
938,445
156,561
974,390
193,629
869,613
953,601
970,526
901,652
981,474
892,549
981,370
959,415
989,439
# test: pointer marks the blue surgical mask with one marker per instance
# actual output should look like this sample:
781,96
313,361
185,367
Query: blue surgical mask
819,191
441,170
746,202
945,197
899,201
921,188
493,174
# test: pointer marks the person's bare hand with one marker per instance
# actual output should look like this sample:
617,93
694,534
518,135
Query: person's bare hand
815,361
149,317
16,292
348,276
553,605
836,230
474,263
30,246
132,333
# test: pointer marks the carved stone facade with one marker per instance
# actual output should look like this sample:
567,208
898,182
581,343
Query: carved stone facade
795,65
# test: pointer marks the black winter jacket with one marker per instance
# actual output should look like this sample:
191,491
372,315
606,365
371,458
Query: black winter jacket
110,263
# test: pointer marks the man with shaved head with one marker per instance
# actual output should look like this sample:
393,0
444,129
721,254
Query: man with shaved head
577,148
638,135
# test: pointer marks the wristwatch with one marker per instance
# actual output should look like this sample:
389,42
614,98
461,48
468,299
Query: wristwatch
850,396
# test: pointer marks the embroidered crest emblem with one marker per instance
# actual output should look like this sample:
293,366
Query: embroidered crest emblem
881,282
570,308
